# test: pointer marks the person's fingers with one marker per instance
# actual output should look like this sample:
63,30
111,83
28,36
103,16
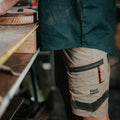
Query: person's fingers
5,5
2,10
9,3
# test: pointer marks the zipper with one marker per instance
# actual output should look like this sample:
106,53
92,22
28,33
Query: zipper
86,67
89,67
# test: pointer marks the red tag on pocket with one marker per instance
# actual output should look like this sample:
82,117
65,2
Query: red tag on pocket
99,72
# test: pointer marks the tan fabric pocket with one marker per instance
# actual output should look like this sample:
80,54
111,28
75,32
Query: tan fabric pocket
91,74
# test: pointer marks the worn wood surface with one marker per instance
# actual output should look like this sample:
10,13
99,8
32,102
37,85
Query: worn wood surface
16,20
11,38
13,108
17,62
29,46
18,16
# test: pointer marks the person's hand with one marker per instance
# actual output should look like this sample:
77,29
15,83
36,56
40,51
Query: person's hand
5,5
2,11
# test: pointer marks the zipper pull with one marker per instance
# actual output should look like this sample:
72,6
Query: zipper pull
99,73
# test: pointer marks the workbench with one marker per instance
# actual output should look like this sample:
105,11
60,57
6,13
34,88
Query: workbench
11,38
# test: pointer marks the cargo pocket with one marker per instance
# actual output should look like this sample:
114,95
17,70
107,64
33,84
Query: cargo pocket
92,73
87,86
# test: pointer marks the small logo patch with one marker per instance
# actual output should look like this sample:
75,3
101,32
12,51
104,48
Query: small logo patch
95,91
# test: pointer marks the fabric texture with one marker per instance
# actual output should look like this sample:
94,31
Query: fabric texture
88,73
77,23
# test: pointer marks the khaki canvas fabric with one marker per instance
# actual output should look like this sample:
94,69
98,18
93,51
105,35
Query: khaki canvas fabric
88,72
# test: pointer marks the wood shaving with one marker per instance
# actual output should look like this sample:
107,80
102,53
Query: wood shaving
8,69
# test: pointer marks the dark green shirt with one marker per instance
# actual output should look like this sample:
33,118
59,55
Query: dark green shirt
77,23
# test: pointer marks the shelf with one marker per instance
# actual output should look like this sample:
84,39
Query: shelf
9,84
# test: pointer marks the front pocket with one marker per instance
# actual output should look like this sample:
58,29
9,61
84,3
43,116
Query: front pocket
86,67
86,70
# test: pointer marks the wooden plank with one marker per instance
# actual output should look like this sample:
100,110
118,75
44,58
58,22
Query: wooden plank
11,38
13,107
8,83
18,17
17,62
29,46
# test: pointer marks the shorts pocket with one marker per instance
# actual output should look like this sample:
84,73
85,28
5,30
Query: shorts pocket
86,67
91,74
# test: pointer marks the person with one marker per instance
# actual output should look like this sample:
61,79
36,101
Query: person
81,32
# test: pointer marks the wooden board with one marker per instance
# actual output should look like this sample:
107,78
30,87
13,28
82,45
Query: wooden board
29,46
17,62
18,17
13,108
12,37
19,12
9,84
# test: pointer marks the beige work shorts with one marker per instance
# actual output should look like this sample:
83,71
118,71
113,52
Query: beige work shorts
88,73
